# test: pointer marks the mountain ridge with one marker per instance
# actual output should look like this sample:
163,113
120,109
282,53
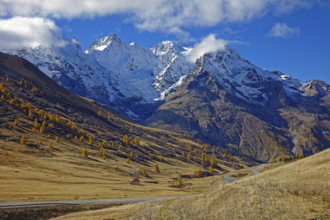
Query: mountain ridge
221,99
114,73
284,121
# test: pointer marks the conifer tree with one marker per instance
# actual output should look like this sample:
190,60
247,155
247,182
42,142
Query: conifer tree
210,169
189,156
179,181
104,152
198,173
84,152
120,147
126,139
144,172
156,168
23,139
213,162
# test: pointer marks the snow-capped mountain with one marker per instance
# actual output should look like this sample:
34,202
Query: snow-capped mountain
221,98
136,80
243,79
141,72
70,67
131,78
229,102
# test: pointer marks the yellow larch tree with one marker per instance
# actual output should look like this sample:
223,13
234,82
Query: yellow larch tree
84,152
23,139
125,140
156,168
144,172
211,169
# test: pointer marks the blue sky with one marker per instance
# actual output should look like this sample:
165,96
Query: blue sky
289,36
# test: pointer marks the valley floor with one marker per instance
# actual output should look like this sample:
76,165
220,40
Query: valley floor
298,190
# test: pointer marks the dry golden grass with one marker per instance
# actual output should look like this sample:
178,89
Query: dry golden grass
299,190
57,170
64,174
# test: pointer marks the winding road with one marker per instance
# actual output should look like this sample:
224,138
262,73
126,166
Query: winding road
228,177
84,202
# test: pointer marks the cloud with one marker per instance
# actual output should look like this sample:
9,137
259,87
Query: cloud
282,30
156,15
22,32
207,45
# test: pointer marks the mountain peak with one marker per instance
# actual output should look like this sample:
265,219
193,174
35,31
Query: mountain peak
166,47
103,43
315,88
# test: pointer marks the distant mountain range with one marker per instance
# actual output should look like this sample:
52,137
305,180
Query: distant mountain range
132,79
221,98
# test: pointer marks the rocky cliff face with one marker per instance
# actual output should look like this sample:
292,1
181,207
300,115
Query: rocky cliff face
233,104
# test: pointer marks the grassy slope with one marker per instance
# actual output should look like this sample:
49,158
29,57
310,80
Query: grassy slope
299,190
34,171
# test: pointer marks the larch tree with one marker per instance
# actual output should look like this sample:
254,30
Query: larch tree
189,156
198,173
125,140
213,162
144,172
84,152
156,168
211,169
104,153
120,147
23,139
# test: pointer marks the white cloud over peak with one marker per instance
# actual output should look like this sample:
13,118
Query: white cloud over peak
23,32
153,15
207,45
282,30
